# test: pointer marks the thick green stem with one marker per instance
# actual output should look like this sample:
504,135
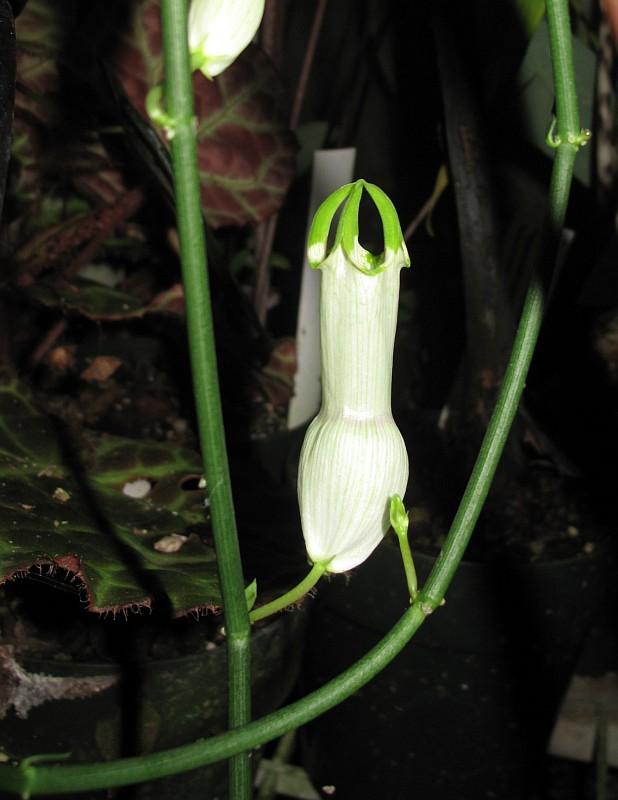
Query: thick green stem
85,777
180,108
289,598
561,48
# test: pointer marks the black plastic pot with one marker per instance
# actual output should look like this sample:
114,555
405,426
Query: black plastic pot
147,707
465,711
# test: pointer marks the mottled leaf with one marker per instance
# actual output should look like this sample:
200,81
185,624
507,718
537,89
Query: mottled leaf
99,302
246,152
38,32
42,152
126,518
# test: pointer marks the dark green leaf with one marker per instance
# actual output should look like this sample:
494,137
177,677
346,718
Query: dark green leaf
72,510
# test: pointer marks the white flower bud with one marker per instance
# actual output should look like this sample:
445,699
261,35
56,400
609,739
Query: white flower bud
219,30
353,459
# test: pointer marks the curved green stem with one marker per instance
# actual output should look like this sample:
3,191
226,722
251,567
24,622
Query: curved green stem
181,116
86,777
157,113
289,598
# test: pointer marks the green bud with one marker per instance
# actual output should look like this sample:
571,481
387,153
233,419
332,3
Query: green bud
399,516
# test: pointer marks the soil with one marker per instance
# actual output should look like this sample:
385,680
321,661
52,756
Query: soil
539,515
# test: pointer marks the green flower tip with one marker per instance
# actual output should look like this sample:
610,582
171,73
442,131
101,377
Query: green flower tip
398,516
347,236
251,594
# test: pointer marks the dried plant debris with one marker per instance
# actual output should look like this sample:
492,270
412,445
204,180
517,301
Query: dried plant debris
21,690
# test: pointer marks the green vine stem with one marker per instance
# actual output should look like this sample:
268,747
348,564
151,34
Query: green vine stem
561,46
180,108
60,779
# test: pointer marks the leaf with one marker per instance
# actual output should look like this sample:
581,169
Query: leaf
38,33
76,515
88,298
251,594
99,302
311,137
530,13
246,151
503,31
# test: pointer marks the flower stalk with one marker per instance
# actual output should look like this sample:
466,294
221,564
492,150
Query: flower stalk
399,521
180,109
289,598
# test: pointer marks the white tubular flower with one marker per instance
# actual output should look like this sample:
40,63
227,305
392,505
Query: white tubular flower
219,30
353,459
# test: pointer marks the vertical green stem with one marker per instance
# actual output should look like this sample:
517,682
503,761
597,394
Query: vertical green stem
180,108
561,47
568,133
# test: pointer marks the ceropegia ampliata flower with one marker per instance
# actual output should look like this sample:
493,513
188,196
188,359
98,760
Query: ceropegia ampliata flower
353,459
219,30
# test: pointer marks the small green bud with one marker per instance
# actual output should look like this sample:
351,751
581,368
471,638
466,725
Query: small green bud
251,594
399,517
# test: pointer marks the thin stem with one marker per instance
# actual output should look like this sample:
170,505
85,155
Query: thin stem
271,30
408,565
289,598
269,227
86,777
400,523
303,80
442,180
180,107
